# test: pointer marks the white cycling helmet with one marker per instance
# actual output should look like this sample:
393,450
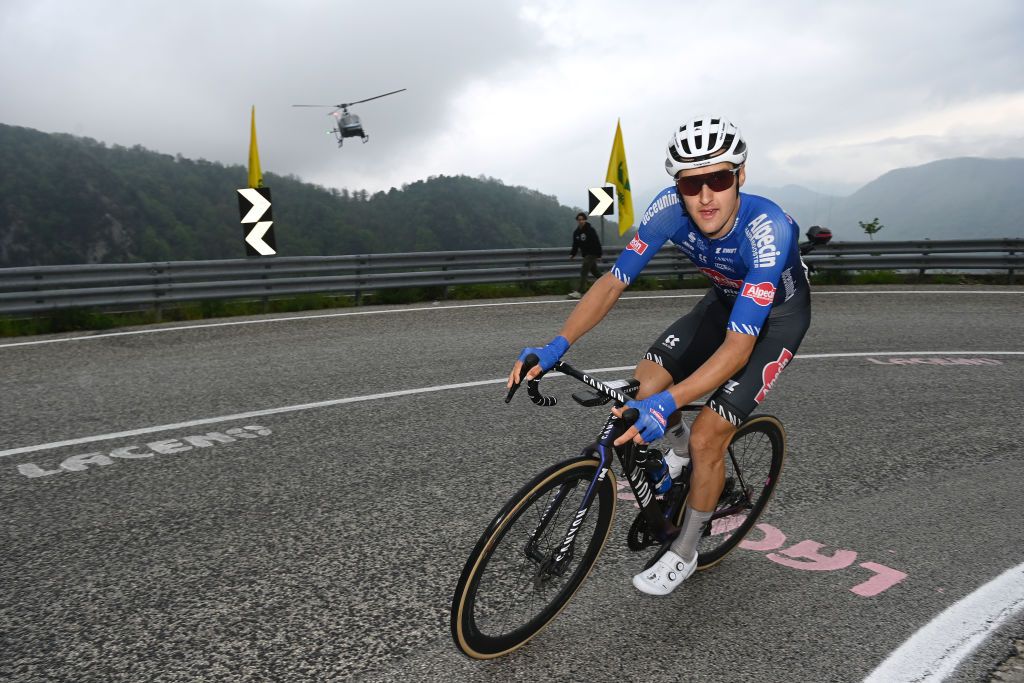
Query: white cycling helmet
704,141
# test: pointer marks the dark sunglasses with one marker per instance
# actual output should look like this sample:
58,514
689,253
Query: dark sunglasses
718,181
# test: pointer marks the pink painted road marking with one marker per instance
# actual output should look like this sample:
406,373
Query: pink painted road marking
805,555
884,578
812,559
773,538
724,525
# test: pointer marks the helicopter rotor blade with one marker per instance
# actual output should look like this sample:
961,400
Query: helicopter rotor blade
317,105
376,97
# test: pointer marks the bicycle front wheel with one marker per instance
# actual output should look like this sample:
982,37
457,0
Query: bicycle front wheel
516,580
753,463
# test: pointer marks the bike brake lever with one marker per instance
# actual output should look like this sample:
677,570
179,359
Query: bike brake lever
528,363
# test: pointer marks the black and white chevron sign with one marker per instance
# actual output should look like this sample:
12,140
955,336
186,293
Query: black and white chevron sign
602,201
254,208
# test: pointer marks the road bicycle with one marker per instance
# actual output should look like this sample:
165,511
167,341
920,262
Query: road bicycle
537,551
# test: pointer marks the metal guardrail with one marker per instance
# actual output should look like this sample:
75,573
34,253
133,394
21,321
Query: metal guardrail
923,255
49,288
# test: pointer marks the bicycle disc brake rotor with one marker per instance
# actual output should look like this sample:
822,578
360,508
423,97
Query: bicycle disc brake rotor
551,567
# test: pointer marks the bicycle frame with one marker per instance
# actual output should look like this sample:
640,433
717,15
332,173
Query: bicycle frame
602,449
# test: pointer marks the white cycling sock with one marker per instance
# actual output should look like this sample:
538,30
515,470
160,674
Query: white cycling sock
675,462
685,545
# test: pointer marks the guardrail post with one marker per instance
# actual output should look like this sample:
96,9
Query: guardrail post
158,313
1010,273
359,292
265,299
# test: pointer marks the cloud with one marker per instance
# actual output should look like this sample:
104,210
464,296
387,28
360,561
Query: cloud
990,126
827,94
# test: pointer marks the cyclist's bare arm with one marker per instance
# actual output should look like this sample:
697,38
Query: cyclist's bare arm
590,310
732,355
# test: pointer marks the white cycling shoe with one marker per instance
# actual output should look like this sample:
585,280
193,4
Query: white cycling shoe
664,575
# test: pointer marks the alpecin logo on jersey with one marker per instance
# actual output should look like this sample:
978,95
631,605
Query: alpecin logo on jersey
637,245
762,293
721,280
771,372
761,235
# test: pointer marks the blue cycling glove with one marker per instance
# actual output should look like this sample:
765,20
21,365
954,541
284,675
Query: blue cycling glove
654,412
549,354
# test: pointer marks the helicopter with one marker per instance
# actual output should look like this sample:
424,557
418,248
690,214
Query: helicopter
347,125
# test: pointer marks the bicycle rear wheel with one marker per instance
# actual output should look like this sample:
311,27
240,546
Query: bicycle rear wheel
511,586
753,463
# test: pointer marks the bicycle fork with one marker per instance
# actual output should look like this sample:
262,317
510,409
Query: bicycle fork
602,450
559,559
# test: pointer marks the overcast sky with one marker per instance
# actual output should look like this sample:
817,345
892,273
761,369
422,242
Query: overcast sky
829,95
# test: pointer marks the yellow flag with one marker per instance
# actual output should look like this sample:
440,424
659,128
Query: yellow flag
255,174
618,175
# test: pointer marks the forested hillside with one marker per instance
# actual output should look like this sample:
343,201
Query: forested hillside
65,199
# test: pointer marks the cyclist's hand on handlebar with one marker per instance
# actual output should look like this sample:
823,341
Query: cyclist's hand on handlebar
548,356
654,412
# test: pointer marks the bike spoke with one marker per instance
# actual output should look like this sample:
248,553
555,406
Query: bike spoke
516,585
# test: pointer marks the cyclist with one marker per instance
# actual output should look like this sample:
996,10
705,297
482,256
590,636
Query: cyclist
733,343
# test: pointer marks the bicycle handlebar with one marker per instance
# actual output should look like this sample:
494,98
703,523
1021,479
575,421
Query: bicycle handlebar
630,415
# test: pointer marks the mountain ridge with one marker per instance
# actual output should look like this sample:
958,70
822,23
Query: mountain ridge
66,199
942,199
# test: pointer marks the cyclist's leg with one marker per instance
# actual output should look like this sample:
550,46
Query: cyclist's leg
679,351
730,405
776,346
653,378
716,424
709,437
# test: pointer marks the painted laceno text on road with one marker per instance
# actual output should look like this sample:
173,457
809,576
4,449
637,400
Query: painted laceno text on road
935,361
83,461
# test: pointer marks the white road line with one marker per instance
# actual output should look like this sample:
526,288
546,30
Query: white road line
938,648
244,416
426,390
291,318
260,321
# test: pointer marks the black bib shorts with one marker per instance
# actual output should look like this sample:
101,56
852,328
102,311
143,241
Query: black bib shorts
692,339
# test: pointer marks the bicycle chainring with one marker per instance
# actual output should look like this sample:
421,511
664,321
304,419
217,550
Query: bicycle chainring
639,536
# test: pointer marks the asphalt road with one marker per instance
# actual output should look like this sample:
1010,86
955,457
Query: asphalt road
155,529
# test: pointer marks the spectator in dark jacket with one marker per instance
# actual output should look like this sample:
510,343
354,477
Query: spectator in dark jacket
585,241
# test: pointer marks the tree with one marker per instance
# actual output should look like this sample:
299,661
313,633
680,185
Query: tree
871,228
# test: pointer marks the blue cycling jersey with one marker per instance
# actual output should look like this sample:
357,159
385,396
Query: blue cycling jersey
756,265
